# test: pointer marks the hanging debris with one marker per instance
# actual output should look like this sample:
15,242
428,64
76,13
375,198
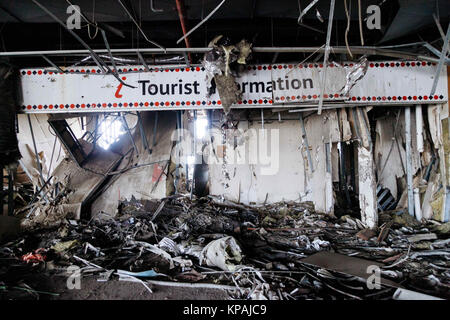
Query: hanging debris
217,65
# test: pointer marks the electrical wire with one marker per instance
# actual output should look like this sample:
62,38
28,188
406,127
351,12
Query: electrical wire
347,13
360,23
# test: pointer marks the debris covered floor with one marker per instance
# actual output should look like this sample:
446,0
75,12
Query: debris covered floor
210,248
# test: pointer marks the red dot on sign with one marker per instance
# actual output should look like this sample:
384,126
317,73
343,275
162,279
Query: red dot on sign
219,102
353,98
82,70
250,101
325,96
249,68
270,101
199,103
392,64
72,106
425,97
156,69
50,106
50,72
135,69
146,104
374,98
402,64
167,103
136,104
83,105
104,105
93,71
300,66
280,67
413,64
424,63
394,98
269,68
72,70
310,66
198,68
415,97
187,69
177,103
259,68
167,70
364,98
125,104
293,97
28,107
157,104
28,72
290,66
61,106
404,98
39,72
40,106
303,97
315,96
260,101
177,70
381,65
124,78
436,97
114,105
282,98
383,98
93,105
125,69
239,102
188,103
336,95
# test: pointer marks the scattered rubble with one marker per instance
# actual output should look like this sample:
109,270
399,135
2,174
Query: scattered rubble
275,251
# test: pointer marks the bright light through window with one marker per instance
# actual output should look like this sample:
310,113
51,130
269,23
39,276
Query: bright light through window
201,124
110,131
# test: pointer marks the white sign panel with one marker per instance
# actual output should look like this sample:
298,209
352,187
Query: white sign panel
85,89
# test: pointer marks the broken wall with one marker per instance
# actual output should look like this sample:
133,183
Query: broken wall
146,175
46,144
281,172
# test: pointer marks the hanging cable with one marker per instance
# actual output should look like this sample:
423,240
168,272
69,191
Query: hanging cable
347,13
360,23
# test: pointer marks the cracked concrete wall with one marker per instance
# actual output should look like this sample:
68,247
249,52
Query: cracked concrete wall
140,181
293,180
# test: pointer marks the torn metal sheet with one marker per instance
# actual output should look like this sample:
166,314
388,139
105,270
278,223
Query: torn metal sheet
354,74
349,265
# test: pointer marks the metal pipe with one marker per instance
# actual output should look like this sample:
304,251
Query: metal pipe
125,124
305,142
325,58
357,50
409,178
419,128
181,10
441,61
201,22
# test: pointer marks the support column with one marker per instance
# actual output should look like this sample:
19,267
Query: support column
367,187
409,179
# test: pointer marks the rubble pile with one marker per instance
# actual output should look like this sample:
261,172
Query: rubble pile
277,251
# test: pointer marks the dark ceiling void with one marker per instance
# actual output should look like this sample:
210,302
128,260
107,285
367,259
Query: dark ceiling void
26,27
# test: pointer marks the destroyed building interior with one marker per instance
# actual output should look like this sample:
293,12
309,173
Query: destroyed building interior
225,150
